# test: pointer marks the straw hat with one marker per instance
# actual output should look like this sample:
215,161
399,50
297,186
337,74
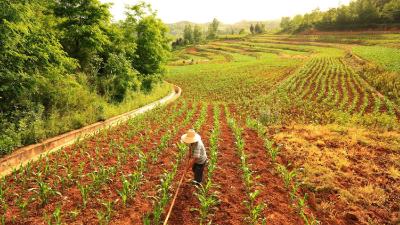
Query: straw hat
190,137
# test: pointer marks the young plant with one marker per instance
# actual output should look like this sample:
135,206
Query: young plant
274,152
129,186
73,214
256,210
207,201
56,216
84,190
286,174
44,192
23,204
105,217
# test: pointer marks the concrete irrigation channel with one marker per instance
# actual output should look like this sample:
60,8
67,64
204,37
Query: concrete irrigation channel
22,156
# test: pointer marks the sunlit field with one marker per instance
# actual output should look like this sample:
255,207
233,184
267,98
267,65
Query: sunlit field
300,117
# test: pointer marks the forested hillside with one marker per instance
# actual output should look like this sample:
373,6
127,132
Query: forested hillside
64,64
359,14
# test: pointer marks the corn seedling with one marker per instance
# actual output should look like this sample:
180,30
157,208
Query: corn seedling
73,214
163,190
274,152
105,216
286,174
84,190
44,192
56,216
23,204
207,201
293,192
256,210
129,186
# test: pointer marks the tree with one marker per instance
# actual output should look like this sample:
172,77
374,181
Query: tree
30,55
343,16
188,34
257,29
119,78
152,46
391,11
285,24
252,29
178,42
197,34
367,12
213,29
83,24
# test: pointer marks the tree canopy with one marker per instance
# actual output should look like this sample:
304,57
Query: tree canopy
358,14
53,51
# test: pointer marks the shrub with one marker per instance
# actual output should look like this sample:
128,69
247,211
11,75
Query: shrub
119,77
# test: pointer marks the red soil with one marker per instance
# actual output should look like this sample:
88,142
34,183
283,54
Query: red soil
273,191
70,197
228,177
192,50
182,212
143,202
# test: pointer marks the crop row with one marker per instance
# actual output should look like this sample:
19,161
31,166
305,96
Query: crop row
205,194
333,83
166,180
289,176
255,208
112,160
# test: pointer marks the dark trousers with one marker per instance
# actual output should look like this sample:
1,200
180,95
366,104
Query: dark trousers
198,172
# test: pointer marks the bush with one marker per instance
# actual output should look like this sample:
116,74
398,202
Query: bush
9,137
119,78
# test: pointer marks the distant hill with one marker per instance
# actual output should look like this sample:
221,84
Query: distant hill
176,29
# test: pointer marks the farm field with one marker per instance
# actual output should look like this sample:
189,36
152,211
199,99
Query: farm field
295,134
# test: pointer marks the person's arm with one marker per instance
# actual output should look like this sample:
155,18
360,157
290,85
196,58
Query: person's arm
193,157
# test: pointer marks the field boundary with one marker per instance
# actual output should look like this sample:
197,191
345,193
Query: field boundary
29,153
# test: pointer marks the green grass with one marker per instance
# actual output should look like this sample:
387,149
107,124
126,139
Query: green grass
388,58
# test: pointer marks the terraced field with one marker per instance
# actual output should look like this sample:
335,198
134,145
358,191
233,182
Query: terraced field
295,134
332,82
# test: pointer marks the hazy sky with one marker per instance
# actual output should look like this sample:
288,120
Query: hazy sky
227,11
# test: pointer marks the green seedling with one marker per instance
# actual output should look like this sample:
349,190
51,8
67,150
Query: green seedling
286,174
44,192
57,215
84,190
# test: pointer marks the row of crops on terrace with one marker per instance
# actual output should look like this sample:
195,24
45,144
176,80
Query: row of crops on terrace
330,81
97,179
323,78
128,174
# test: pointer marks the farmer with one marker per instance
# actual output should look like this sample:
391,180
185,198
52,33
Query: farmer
198,155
